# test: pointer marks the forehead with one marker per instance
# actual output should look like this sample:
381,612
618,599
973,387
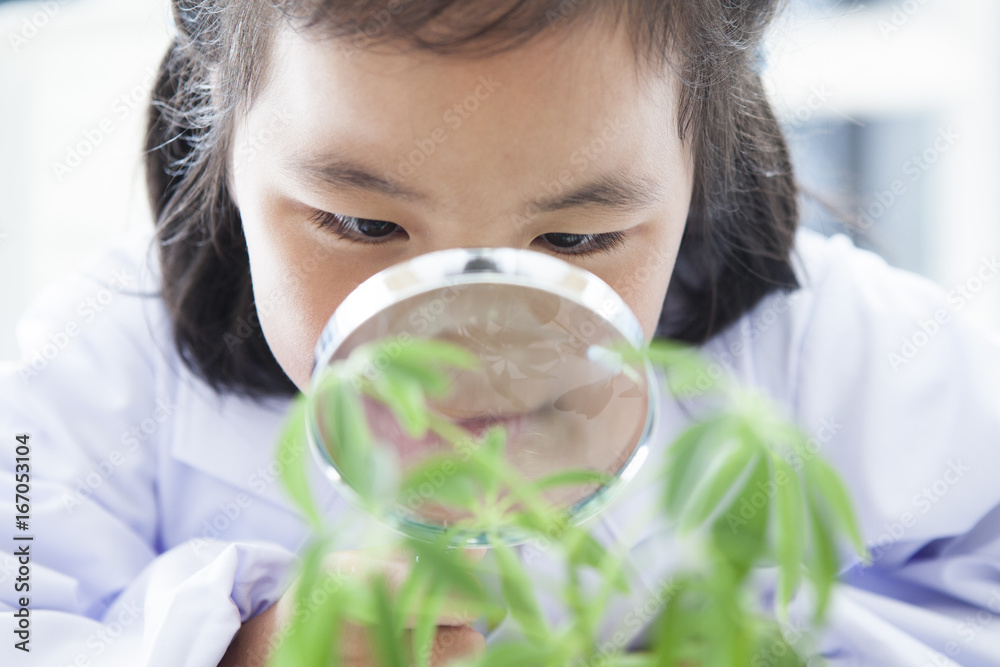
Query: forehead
567,101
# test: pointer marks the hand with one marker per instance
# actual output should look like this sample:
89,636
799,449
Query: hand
453,638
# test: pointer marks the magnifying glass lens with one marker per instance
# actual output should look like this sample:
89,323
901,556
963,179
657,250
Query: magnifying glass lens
548,391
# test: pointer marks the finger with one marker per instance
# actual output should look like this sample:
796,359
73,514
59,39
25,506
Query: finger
357,645
459,608
451,643
474,554
395,562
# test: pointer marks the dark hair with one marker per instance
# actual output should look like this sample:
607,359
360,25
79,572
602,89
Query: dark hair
743,214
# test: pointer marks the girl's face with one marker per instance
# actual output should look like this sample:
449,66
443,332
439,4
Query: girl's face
355,159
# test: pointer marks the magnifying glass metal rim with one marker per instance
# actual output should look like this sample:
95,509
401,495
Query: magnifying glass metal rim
455,267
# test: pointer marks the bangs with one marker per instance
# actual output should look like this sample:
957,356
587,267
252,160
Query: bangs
657,30
446,27
481,28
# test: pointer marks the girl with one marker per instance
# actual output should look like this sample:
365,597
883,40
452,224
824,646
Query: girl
295,148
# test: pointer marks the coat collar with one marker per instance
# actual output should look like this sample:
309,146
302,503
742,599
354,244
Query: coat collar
235,440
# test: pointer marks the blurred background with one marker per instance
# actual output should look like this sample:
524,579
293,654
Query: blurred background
892,109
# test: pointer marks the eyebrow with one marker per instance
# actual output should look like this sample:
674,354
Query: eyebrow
614,191
340,172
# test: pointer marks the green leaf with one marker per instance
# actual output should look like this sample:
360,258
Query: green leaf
489,457
679,630
351,446
387,632
585,550
686,368
519,593
569,478
453,482
433,381
740,532
422,360
428,351
823,561
632,660
406,399
824,480
292,452
314,633
790,529
505,655
723,613
681,471
717,482
664,352
494,443
446,565
550,525
776,651
426,627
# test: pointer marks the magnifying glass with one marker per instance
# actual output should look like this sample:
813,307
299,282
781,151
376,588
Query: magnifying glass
548,338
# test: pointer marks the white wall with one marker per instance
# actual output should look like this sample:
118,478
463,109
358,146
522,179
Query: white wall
901,59
74,77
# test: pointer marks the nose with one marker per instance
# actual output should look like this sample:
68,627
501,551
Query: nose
480,265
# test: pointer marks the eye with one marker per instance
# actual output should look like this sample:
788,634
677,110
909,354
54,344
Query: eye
362,230
584,244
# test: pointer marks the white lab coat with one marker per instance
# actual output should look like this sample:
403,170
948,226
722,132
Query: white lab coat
160,525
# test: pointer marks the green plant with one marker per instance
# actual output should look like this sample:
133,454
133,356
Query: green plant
711,615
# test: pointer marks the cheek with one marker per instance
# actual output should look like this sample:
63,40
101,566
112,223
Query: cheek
643,286
296,285
642,277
